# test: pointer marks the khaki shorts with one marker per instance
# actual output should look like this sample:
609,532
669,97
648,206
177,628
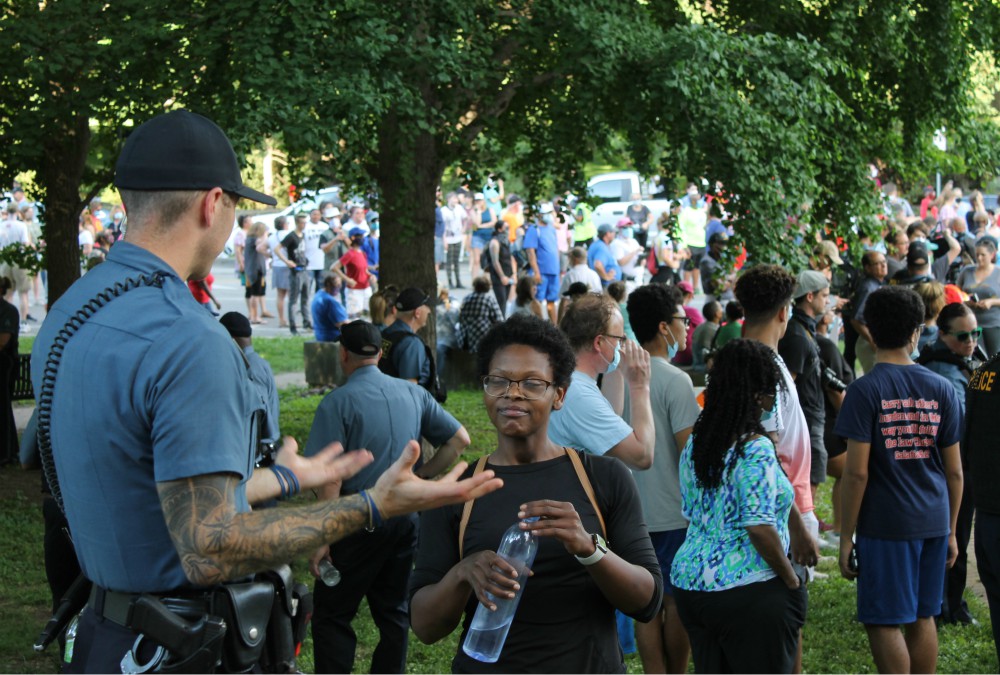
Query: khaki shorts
18,277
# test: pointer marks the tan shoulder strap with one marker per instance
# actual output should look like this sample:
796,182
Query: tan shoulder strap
574,458
467,509
581,474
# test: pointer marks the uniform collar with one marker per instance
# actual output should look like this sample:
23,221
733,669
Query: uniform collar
129,255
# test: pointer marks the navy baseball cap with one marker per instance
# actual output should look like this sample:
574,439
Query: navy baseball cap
356,232
182,150
361,337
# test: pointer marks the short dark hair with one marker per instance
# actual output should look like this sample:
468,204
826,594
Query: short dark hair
892,314
481,284
763,290
542,336
167,205
616,289
711,311
734,310
588,317
648,306
950,312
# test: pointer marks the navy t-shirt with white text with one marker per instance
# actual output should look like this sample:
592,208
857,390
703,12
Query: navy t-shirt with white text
907,414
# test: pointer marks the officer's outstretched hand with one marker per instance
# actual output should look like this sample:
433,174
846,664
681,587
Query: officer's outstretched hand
400,491
329,465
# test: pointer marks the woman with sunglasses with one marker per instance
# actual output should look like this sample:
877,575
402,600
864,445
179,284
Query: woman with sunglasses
954,357
738,595
565,621
982,283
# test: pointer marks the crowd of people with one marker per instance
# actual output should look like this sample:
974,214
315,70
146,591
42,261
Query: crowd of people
693,514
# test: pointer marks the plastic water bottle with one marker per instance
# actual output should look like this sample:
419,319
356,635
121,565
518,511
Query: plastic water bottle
328,574
489,628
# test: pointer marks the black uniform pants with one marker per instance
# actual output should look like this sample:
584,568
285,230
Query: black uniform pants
956,577
373,565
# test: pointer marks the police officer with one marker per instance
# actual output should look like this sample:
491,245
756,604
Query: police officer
157,479
410,358
979,450
375,411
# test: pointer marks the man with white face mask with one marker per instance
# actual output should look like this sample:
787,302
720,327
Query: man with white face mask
657,316
588,420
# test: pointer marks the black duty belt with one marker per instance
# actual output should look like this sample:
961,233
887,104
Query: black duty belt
117,607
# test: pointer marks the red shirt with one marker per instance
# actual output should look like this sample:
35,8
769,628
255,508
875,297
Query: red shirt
355,264
198,292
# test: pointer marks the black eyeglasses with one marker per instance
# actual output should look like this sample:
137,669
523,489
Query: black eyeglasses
966,334
531,388
686,319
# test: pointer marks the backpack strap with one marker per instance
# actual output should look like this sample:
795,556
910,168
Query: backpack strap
467,509
581,473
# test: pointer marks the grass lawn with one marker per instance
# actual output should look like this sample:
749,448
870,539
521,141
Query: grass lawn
834,641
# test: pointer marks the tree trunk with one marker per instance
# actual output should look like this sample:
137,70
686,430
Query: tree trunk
408,175
60,175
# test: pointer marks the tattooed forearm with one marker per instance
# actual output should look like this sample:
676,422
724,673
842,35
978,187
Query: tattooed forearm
216,543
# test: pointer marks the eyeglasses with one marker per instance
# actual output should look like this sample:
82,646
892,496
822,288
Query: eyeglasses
686,319
531,388
966,334
621,338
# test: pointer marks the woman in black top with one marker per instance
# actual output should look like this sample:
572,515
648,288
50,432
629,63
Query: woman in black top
498,253
565,621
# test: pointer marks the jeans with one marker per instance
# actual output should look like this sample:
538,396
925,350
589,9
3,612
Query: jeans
454,250
298,290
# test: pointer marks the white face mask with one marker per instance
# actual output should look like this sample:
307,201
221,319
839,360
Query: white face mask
328,213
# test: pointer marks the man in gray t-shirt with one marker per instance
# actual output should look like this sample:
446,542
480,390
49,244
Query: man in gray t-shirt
659,322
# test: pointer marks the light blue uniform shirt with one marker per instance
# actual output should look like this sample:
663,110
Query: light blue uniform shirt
586,420
150,389
409,356
380,413
263,382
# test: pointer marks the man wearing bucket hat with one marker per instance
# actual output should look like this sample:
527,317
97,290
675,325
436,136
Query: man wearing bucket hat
157,494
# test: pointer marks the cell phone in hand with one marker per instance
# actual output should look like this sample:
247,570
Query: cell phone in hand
852,560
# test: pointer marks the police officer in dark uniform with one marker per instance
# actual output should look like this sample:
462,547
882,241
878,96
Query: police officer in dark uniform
980,450
157,480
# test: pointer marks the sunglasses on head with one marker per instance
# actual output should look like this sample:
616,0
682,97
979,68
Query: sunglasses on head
966,334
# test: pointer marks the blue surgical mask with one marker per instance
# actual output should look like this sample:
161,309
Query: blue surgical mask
672,349
613,364
548,219
627,232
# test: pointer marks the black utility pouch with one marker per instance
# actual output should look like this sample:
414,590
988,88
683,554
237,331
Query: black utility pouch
246,609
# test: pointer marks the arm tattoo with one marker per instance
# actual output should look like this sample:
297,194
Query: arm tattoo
216,543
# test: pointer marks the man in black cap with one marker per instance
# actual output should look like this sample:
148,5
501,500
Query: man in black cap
920,269
261,376
158,496
375,411
406,356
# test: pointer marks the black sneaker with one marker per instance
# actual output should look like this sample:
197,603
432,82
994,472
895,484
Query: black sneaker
292,330
30,318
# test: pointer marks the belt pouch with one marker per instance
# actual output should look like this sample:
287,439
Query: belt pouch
246,608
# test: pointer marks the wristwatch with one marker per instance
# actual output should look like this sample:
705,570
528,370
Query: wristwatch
600,550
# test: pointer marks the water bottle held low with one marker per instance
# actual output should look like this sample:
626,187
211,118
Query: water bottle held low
489,629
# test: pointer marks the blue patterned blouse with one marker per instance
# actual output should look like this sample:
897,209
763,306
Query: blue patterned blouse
717,553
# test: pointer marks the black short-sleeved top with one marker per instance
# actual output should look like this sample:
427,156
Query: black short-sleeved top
10,322
800,352
564,624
